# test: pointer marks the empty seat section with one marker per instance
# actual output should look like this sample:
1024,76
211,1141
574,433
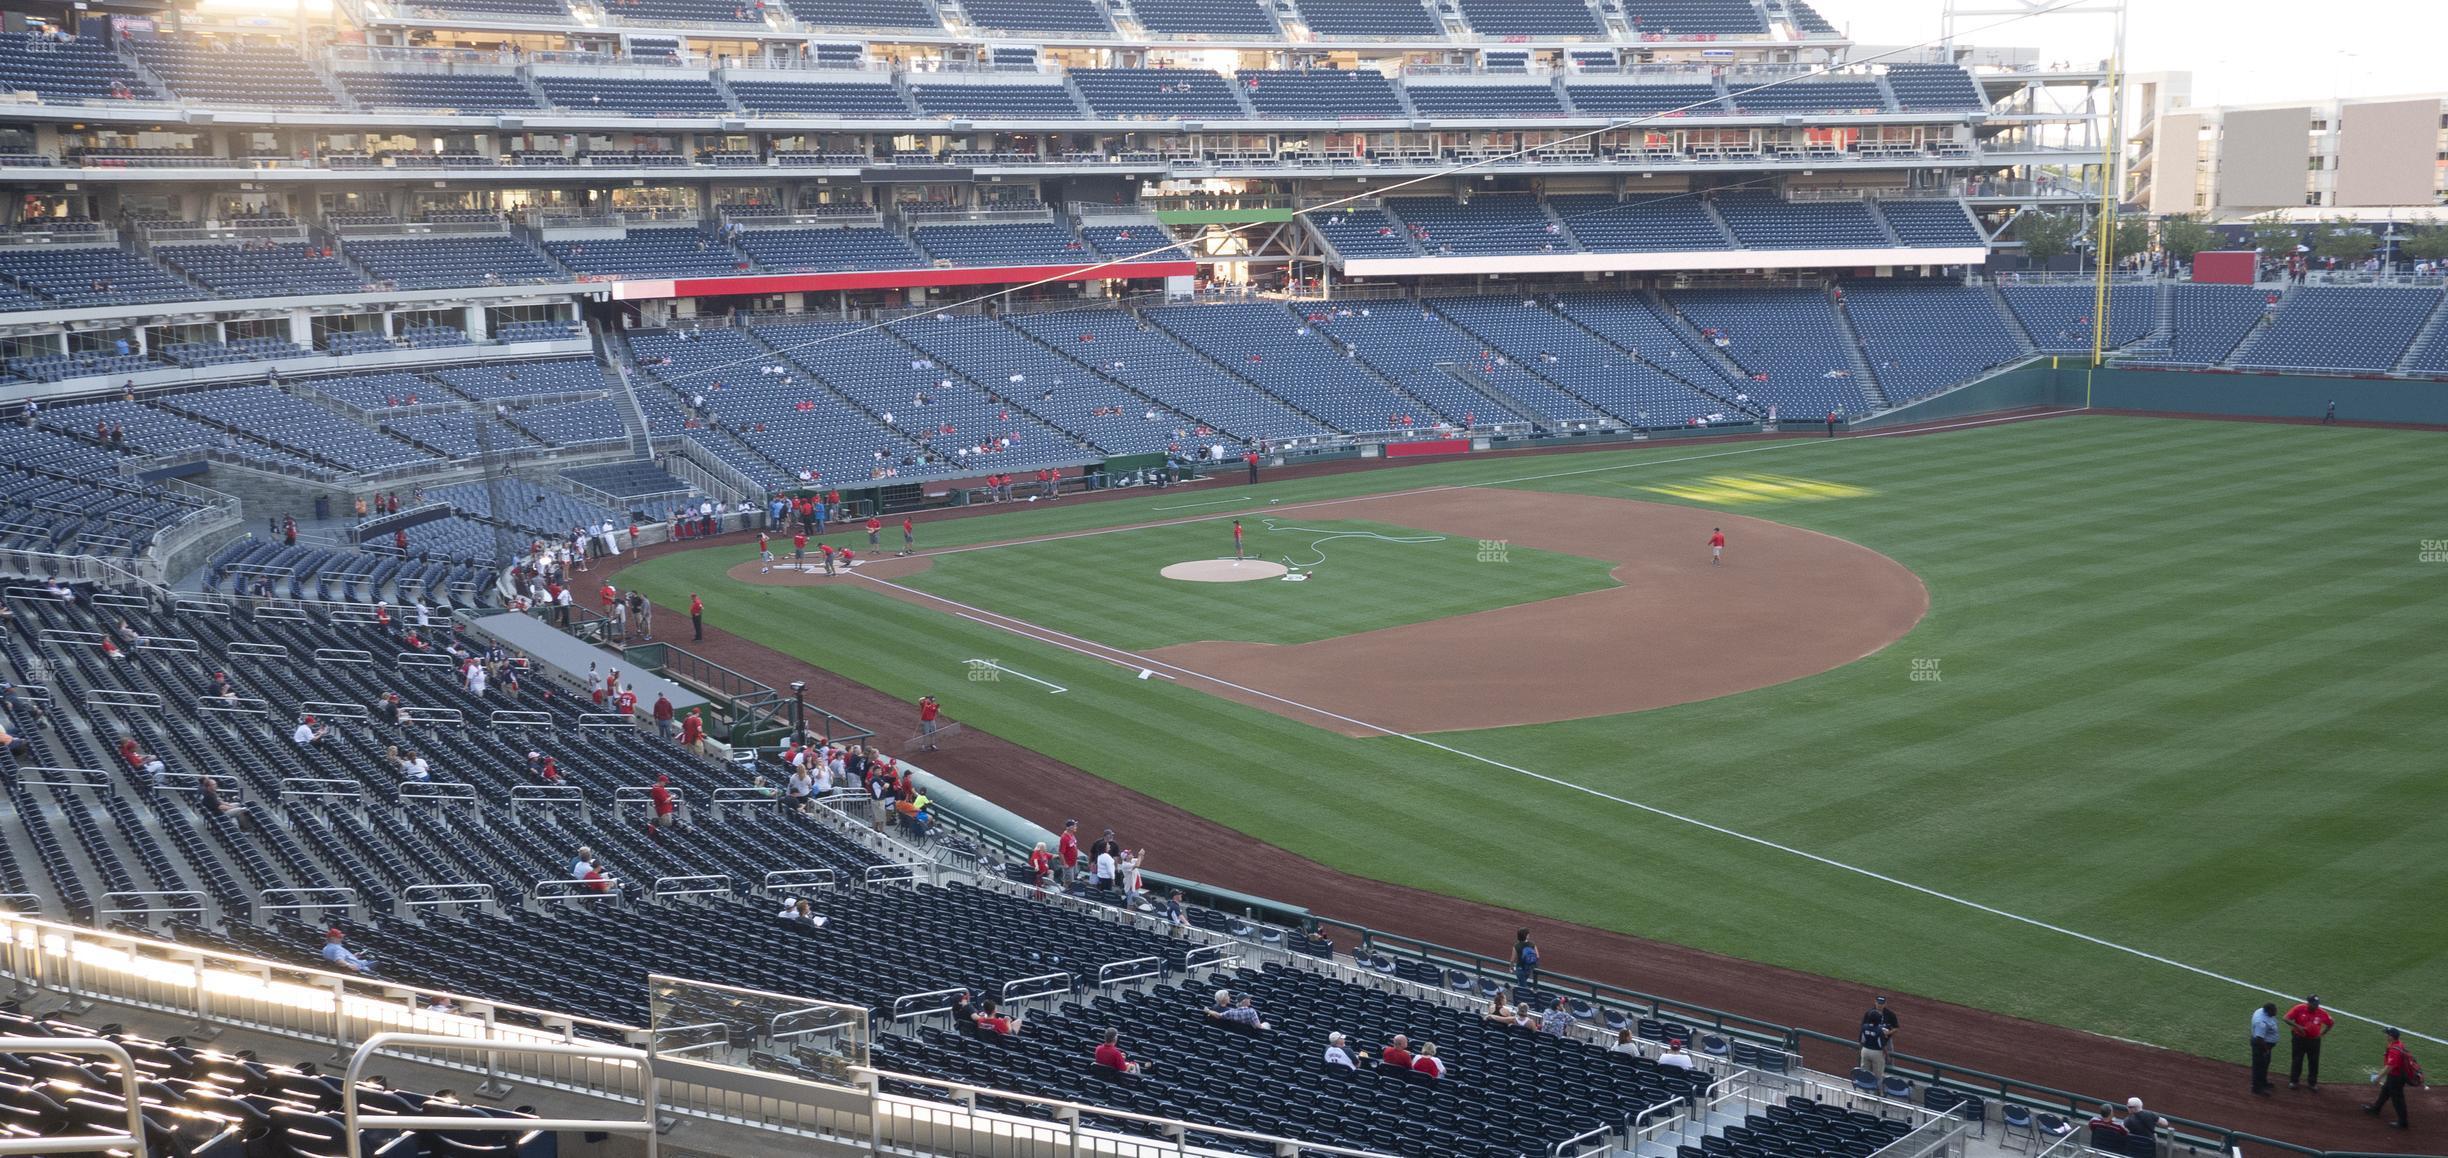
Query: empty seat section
650,253
1026,375
465,92
1157,93
866,13
300,427
1153,364
1372,19
1485,101
1788,342
1149,242
859,99
745,12
2205,322
1640,222
2058,317
279,270
233,73
1287,354
1236,19
960,425
1767,221
1645,100
456,434
997,101
1926,88
638,98
1633,322
1037,15
68,68
505,9
1491,223
1694,18
1329,94
92,275
1755,95
1032,243
829,250
1532,18
504,382
588,422
1416,348
1539,342
1363,233
1932,223
1923,337
2352,328
441,261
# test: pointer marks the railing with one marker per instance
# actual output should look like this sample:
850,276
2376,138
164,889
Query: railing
790,879
356,1123
713,884
453,893
305,900
1042,985
1134,969
131,1099
927,1004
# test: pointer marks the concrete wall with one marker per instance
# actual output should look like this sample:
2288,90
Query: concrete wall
2272,395
2263,159
2388,153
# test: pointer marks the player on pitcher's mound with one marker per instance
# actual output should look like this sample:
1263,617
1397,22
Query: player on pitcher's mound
1237,555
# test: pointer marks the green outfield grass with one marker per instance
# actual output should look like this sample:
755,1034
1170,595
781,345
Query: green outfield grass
1111,591
2190,700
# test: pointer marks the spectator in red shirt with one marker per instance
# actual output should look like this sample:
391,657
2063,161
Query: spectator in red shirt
875,527
663,715
2309,1022
137,759
1109,1054
627,702
1427,1062
1397,1053
927,711
993,1020
692,730
696,617
909,535
2397,1071
1069,846
607,597
666,810
1041,865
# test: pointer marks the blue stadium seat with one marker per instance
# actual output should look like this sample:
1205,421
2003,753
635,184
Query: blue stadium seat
1922,337
1327,94
1158,93
2362,329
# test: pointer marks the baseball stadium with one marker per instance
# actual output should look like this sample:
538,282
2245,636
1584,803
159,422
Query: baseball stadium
1295,578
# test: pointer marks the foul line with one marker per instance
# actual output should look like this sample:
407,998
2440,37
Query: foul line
993,666
1312,504
1026,629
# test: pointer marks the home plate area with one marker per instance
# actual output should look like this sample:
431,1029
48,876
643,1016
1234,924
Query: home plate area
1224,571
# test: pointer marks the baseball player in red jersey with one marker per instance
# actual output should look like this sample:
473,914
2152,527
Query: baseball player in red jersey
764,552
1237,556
1716,546
799,550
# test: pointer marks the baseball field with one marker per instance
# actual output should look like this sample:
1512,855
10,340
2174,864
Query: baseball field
2107,722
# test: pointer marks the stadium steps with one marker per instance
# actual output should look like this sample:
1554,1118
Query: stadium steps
1705,389
2260,329
1692,335
1863,372
1733,241
2433,333
2014,321
1463,374
2157,340
1556,385
1157,328
615,365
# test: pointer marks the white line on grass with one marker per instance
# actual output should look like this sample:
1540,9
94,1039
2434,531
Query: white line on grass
993,666
1287,508
1026,629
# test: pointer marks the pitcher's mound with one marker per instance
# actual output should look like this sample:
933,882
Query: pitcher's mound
1223,570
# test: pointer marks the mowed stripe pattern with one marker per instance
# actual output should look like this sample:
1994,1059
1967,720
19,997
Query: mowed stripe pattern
2188,700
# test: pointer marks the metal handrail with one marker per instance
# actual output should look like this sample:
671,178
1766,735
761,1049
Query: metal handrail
1017,988
196,905
668,886
302,904
904,1007
442,790
879,873
644,1126
799,878
535,892
130,1096
1107,976
424,896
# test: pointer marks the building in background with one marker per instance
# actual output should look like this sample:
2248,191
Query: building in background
2380,159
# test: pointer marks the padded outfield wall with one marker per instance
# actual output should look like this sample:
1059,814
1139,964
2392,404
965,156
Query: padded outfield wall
2067,382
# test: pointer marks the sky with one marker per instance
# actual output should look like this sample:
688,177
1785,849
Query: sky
2239,51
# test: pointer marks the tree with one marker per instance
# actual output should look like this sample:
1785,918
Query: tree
2186,234
2276,237
2343,241
2048,236
2428,242
2133,236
